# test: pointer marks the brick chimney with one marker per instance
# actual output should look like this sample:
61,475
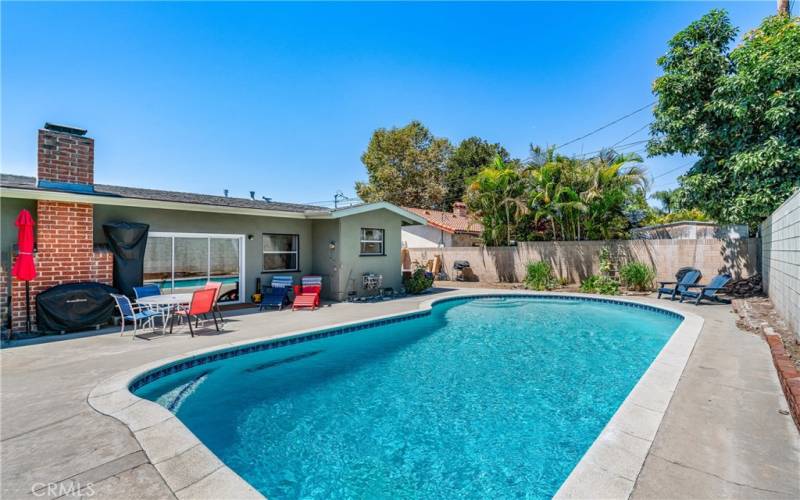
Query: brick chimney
66,156
64,230
460,209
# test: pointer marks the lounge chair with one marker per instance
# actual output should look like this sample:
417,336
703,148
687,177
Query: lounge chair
139,316
277,294
708,292
307,294
202,303
689,278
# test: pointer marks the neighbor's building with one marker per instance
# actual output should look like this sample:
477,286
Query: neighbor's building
443,229
691,230
192,237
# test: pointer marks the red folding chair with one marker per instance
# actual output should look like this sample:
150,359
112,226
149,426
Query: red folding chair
217,287
202,304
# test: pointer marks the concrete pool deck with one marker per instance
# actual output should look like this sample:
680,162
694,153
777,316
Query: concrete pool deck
722,435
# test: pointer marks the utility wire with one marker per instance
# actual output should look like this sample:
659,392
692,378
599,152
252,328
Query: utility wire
605,126
672,170
631,134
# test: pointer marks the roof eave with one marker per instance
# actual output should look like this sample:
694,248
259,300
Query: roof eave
100,199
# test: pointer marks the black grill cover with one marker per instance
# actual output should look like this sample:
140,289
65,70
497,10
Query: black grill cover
73,307
127,241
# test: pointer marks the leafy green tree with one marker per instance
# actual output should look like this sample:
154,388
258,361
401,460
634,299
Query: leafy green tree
739,110
470,157
406,167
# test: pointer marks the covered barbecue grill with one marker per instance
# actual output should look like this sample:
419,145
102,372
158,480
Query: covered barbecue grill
73,307
459,267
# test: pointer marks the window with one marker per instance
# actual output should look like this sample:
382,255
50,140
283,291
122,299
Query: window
371,241
280,252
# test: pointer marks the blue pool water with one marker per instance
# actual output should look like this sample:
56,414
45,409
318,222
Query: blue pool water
495,397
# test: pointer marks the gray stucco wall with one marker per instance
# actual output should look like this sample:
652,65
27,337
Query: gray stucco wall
9,209
324,261
353,265
203,222
780,260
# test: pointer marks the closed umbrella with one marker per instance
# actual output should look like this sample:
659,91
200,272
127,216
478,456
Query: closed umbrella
24,268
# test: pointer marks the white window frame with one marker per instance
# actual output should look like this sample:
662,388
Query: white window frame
296,253
208,237
382,242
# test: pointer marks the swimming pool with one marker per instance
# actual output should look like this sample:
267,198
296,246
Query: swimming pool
497,396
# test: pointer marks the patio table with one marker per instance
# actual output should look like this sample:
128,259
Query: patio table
166,303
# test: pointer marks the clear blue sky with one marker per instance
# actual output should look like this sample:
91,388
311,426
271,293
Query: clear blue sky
282,98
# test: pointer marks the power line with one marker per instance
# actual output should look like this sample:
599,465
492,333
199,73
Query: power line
605,126
631,134
673,170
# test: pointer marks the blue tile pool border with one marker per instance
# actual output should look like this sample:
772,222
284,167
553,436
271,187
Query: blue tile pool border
179,366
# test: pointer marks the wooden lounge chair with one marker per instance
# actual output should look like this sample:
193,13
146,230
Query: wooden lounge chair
689,278
277,294
307,294
708,292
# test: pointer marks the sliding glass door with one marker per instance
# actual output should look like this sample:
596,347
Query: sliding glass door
184,262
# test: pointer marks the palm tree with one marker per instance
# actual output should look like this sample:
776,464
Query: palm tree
666,199
495,196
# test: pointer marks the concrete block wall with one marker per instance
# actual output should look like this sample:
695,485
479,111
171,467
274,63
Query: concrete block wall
576,260
780,260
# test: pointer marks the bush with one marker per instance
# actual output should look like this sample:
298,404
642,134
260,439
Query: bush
539,276
419,281
600,284
637,276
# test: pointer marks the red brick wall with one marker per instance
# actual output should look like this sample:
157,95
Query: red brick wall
65,157
65,254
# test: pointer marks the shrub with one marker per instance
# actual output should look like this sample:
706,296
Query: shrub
419,281
637,276
600,284
539,276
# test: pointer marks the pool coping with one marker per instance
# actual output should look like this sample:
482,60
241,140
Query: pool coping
608,468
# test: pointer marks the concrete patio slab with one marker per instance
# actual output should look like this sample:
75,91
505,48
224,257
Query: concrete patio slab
70,370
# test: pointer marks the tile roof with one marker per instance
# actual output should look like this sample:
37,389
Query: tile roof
20,181
448,221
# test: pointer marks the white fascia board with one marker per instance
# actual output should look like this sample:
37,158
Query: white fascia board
94,199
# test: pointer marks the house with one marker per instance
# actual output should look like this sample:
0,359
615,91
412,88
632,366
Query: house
192,237
443,229
691,230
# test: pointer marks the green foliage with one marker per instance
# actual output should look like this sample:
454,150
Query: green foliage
605,261
405,166
496,197
691,214
585,199
418,282
739,110
539,276
666,198
600,284
470,157
637,276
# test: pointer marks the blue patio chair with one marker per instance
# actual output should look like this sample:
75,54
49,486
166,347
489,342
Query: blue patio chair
708,292
146,291
690,278
277,294
140,317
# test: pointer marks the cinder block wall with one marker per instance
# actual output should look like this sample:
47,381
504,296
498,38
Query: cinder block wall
575,260
780,260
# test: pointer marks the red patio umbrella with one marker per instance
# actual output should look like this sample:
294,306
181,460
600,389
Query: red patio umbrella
24,268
